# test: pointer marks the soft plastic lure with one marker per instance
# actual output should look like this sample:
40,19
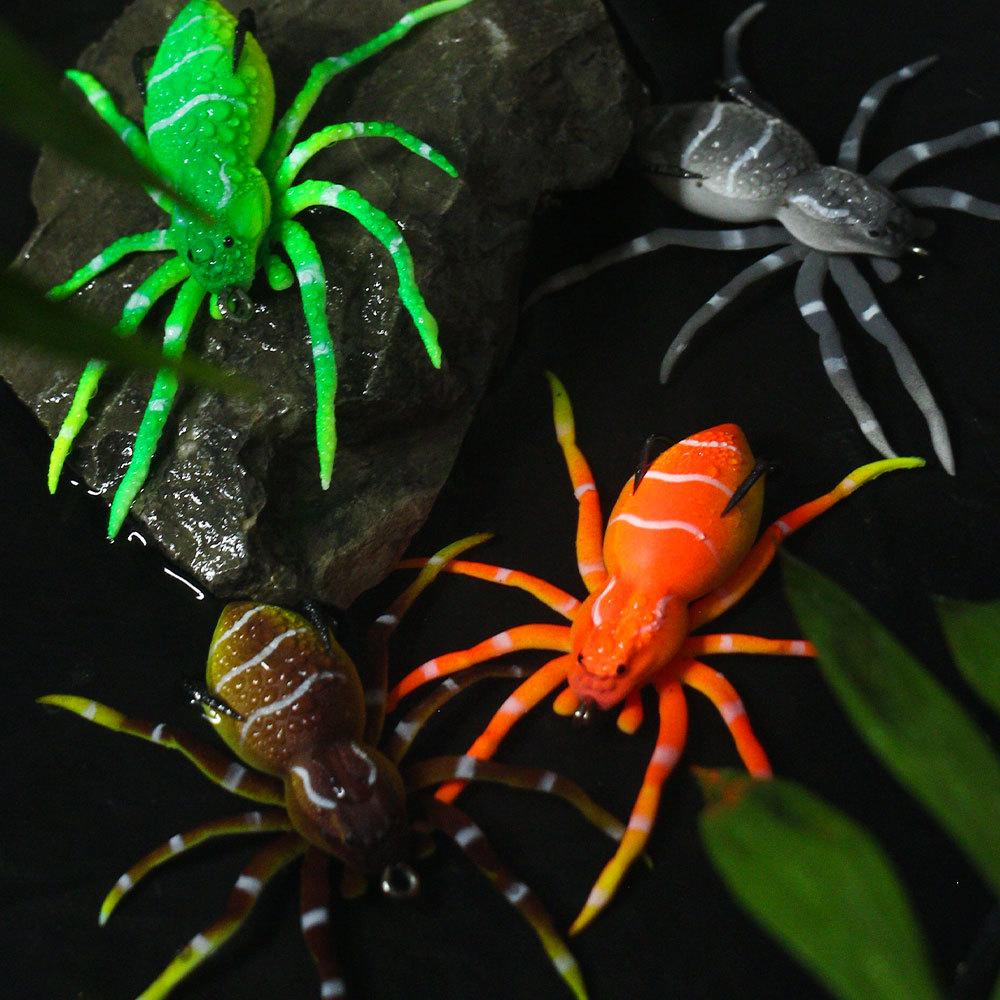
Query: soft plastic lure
288,701
741,162
209,105
678,551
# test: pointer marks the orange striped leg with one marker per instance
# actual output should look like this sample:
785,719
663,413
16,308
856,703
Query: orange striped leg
435,770
455,824
723,696
549,594
669,744
214,765
314,901
408,728
759,557
262,868
566,702
732,642
590,526
523,699
377,679
631,716
520,637
251,822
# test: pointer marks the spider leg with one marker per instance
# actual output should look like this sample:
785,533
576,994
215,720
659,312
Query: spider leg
959,201
308,148
723,696
734,79
550,595
870,317
151,242
314,902
809,298
713,604
383,627
104,105
263,866
733,642
589,528
887,270
251,822
632,713
399,741
701,239
161,399
436,770
325,70
216,766
165,277
758,269
850,145
541,636
387,232
312,285
280,276
669,745
521,701
456,825
909,156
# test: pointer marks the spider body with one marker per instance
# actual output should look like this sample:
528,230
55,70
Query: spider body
678,551
290,704
739,161
209,107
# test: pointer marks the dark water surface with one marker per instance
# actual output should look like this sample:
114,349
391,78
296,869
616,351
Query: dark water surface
83,616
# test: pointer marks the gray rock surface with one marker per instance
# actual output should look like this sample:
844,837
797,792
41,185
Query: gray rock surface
526,99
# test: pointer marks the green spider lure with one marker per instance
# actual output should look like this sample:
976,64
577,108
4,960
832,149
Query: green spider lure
208,113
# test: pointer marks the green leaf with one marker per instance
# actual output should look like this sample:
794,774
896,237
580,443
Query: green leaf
972,629
35,106
29,318
819,883
914,726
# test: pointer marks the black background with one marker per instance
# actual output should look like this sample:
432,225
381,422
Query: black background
85,617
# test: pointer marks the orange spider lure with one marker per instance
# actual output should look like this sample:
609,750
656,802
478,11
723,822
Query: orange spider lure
289,703
678,551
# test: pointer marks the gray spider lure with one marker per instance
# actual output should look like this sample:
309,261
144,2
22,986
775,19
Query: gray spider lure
209,105
740,161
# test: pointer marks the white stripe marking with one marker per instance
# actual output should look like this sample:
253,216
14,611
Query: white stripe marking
816,306
641,823
157,735
702,135
387,619
817,208
180,62
564,961
750,153
515,892
698,443
331,989
595,608
731,711
598,897
233,776
665,756
287,702
688,477
584,488
502,643
200,944
176,843
592,567
315,917
125,882
257,658
547,781
797,648
668,525
250,885
466,767
90,711
190,106
236,626
872,311
503,575
311,794
725,642
467,835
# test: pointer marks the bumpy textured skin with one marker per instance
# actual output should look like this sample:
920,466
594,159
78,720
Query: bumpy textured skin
208,117
288,701
671,559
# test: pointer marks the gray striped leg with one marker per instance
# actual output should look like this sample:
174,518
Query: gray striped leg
908,157
958,201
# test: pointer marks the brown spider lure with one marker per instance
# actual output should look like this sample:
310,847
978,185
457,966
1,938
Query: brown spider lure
288,701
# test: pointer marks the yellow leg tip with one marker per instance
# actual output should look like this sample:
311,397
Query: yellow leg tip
566,703
629,722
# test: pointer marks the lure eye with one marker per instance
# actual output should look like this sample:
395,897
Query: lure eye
579,658
876,234
228,242
400,881
621,670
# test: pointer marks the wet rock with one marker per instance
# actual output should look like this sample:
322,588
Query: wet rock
526,100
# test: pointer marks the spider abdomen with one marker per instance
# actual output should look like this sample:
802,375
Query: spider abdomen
744,157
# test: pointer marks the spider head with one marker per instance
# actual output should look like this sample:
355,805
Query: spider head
621,636
222,252
348,799
838,211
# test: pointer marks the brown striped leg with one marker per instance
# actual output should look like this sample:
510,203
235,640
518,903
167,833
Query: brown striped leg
377,679
732,642
723,696
263,866
524,698
408,728
550,595
251,822
435,770
216,766
314,895
590,526
669,744
520,637
453,822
